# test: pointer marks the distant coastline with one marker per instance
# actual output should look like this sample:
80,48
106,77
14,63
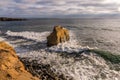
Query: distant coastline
11,19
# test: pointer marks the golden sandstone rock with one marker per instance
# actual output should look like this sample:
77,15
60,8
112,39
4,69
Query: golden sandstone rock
58,35
11,68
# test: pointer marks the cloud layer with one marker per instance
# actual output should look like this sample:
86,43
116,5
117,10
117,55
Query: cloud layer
59,8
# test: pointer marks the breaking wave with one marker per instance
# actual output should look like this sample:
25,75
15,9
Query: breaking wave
61,62
40,37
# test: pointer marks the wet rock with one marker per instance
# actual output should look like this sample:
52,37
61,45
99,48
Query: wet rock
58,35
11,68
42,71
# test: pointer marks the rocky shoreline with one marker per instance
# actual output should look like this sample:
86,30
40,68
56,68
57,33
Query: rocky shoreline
11,68
11,19
46,64
45,72
17,68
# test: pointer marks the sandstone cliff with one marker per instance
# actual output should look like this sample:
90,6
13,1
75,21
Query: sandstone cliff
11,68
58,35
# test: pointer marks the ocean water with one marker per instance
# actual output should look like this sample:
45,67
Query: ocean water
101,33
29,40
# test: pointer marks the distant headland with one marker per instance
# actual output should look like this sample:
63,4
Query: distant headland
11,19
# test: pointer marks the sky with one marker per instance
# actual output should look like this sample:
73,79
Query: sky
59,8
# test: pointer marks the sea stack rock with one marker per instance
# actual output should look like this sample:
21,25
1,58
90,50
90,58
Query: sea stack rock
58,35
11,68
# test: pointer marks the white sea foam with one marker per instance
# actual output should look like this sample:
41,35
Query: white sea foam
30,35
1,39
91,67
70,46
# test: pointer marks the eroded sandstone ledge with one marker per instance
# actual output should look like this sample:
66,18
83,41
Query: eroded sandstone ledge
11,68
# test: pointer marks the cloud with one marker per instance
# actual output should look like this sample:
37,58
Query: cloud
58,8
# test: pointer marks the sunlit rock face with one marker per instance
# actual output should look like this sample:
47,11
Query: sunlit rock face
58,35
11,68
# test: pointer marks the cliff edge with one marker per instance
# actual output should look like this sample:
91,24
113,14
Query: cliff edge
11,68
